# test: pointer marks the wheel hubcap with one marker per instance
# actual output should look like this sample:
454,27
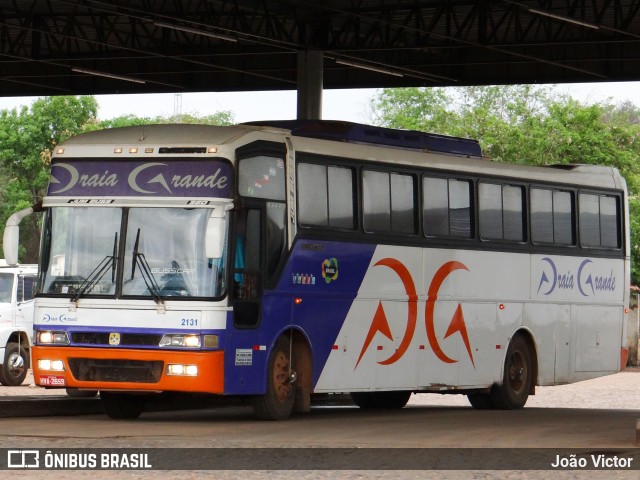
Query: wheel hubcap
281,377
16,365
517,372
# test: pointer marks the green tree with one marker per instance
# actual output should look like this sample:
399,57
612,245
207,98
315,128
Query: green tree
27,139
218,118
423,109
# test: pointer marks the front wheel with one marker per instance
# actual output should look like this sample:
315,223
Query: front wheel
517,376
277,403
16,363
79,393
123,405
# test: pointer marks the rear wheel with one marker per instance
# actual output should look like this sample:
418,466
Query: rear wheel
391,400
123,405
16,363
517,376
277,403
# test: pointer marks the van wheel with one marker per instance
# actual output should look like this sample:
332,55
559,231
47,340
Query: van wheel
517,377
277,403
15,366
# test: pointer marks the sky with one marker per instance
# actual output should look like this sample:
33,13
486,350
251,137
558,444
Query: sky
349,105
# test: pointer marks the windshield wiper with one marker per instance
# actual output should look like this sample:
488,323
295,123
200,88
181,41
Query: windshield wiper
96,275
114,259
149,280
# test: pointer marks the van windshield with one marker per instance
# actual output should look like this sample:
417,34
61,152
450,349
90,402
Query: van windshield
6,287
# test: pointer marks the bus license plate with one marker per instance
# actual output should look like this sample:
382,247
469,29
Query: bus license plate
52,381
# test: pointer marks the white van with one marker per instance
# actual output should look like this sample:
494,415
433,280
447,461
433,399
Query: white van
16,321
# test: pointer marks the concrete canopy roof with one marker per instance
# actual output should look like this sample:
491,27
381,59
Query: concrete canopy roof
66,47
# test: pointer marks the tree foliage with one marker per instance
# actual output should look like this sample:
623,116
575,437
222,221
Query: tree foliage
219,118
528,125
28,137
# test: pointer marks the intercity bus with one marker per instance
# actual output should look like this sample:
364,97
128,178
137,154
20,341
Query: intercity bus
280,260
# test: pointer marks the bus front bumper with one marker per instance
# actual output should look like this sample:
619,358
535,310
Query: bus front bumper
129,370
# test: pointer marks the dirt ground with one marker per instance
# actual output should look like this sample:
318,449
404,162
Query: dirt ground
620,392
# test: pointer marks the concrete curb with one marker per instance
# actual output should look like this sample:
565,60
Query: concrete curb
48,406
63,405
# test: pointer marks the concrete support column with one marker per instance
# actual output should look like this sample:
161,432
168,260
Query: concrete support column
310,72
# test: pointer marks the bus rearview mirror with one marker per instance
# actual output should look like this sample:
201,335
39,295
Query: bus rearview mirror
10,241
11,236
216,232
214,238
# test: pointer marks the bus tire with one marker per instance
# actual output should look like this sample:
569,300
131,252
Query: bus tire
517,376
277,403
391,400
123,405
480,401
16,365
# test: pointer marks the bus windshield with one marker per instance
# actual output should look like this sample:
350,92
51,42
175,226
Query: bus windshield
130,252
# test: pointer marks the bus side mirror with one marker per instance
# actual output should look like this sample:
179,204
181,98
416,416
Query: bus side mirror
216,232
214,237
10,241
11,236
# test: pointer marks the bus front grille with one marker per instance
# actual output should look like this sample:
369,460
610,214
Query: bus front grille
126,339
97,370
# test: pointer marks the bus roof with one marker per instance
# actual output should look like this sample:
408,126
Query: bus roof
321,129
175,134
450,153
358,133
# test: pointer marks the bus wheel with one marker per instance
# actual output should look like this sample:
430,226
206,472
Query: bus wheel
480,401
391,400
14,369
277,403
517,376
123,405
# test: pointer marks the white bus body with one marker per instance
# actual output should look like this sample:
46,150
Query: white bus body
203,259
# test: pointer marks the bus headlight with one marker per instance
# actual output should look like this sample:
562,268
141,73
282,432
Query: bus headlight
178,369
180,340
52,338
52,365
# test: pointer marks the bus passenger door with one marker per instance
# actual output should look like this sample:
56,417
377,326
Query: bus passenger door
246,276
